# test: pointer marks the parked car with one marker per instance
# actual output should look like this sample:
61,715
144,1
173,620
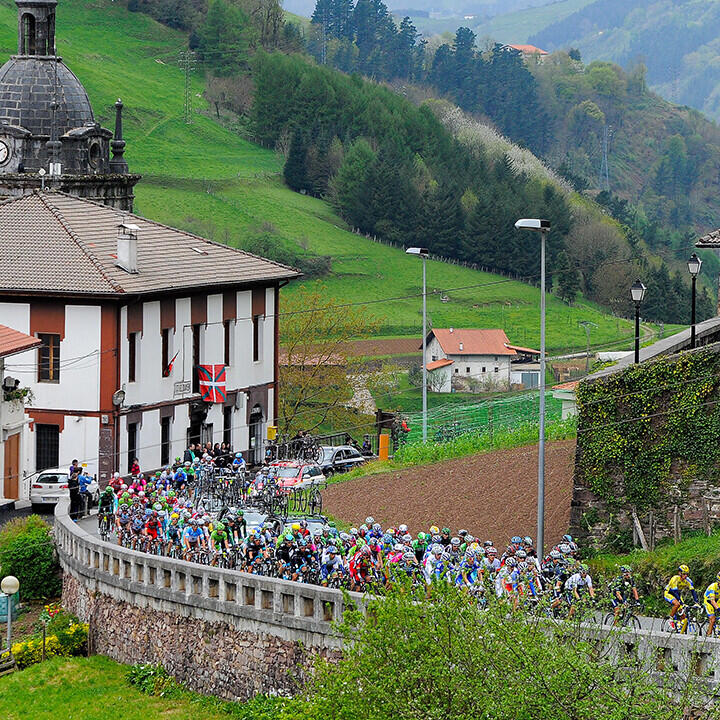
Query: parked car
291,473
50,485
340,459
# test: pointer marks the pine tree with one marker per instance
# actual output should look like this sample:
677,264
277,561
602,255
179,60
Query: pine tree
295,170
568,278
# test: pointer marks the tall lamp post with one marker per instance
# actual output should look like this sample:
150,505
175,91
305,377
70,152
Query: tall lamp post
694,265
637,292
423,253
9,586
543,227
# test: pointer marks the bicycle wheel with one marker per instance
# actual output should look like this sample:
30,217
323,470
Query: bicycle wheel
632,621
609,619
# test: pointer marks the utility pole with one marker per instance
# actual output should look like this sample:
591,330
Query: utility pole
605,169
587,324
187,63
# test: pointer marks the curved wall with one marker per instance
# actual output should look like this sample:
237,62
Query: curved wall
221,632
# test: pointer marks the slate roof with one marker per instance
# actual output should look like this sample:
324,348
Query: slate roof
474,341
54,243
711,240
14,341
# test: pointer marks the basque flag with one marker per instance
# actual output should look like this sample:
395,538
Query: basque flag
212,383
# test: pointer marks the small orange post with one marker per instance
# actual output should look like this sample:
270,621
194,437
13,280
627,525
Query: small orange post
384,447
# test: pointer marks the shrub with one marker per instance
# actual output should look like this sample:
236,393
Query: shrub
66,643
27,551
153,680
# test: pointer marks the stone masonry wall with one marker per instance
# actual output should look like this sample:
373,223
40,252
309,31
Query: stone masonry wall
214,658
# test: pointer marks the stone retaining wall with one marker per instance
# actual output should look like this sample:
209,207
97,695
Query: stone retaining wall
221,632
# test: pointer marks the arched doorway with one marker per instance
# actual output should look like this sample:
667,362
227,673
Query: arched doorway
255,427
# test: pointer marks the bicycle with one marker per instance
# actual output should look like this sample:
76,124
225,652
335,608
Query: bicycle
687,621
106,520
626,617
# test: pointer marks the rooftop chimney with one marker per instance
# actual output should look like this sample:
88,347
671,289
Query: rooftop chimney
461,347
127,247
451,329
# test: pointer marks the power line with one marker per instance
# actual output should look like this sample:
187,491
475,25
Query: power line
187,63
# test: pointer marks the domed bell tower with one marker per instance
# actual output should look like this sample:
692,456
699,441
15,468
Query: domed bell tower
48,133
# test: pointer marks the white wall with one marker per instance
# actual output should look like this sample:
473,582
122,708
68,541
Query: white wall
440,380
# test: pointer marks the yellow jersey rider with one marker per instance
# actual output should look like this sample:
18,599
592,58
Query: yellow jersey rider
711,601
675,587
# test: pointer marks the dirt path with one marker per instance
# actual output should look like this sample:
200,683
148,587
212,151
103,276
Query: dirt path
492,495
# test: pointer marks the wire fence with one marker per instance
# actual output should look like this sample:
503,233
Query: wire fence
450,421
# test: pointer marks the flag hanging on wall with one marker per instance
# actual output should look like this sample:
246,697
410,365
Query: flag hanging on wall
212,383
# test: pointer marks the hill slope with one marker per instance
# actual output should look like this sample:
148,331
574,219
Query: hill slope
679,42
205,178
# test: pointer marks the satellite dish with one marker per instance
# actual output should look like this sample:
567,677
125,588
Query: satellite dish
118,398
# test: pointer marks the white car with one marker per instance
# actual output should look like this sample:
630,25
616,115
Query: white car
50,485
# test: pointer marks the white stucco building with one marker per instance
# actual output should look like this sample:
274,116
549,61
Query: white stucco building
125,310
478,360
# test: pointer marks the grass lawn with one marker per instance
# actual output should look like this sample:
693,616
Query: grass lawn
87,689
206,178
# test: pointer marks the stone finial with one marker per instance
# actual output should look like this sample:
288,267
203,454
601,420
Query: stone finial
117,145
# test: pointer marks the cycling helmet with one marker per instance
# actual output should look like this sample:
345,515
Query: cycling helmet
409,556
188,464
360,542
398,547
471,553
564,548
522,566
421,536
462,533
684,569
445,557
365,550
108,491
510,549
386,538
303,524
332,550
455,542
584,569
434,530
436,538
157,506
718,576
521,554
407,537
527,540
625,570
446,531
515,539
437,549
402,529
288,537
469,539
219,527
124,486
354,531
238,455
567,538
369,521
555,554
511,562
194,522
376,527
295,527
491,551
344,537
317,532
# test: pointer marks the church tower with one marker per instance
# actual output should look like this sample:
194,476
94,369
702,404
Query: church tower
48,133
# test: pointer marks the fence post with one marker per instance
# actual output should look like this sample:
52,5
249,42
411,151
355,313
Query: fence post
491,422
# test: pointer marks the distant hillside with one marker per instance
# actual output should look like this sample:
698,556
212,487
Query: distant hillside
206,178
678,41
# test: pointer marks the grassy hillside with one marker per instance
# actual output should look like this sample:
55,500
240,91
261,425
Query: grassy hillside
206,178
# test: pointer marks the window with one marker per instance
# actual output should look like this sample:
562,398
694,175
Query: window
165,356
467,369
497,369
132,356
456,371
434,358
164,440
47,446
28,34
132,444
256,338
195,358
484,369
227,425
49,358
226,325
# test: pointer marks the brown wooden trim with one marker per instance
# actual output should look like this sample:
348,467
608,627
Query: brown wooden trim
167,313
198,309
167,412
258,301
109,322
135,318
276,351
229,305
48,417
47,317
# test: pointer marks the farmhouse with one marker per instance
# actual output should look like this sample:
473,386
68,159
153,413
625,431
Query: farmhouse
478,360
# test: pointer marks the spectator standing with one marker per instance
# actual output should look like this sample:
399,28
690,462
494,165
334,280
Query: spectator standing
74,488
189,454
74,468
135,468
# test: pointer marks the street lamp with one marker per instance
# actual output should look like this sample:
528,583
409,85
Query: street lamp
423,253
637,292
543,227
9,586
694,265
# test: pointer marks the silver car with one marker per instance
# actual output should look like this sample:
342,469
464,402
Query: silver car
50,485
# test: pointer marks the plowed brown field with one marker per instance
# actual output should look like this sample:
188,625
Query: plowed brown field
493,495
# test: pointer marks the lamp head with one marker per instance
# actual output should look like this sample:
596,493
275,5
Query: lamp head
10,585
637,291
694,265
533,224
421,252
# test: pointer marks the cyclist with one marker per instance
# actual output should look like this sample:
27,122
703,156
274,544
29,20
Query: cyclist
673,592
711,601
193,537
623,588
106,507
219,541
576,585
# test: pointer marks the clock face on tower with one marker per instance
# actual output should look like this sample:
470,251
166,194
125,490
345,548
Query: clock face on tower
4,152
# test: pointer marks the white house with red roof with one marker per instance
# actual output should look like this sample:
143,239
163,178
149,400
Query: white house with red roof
472,359
530,53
